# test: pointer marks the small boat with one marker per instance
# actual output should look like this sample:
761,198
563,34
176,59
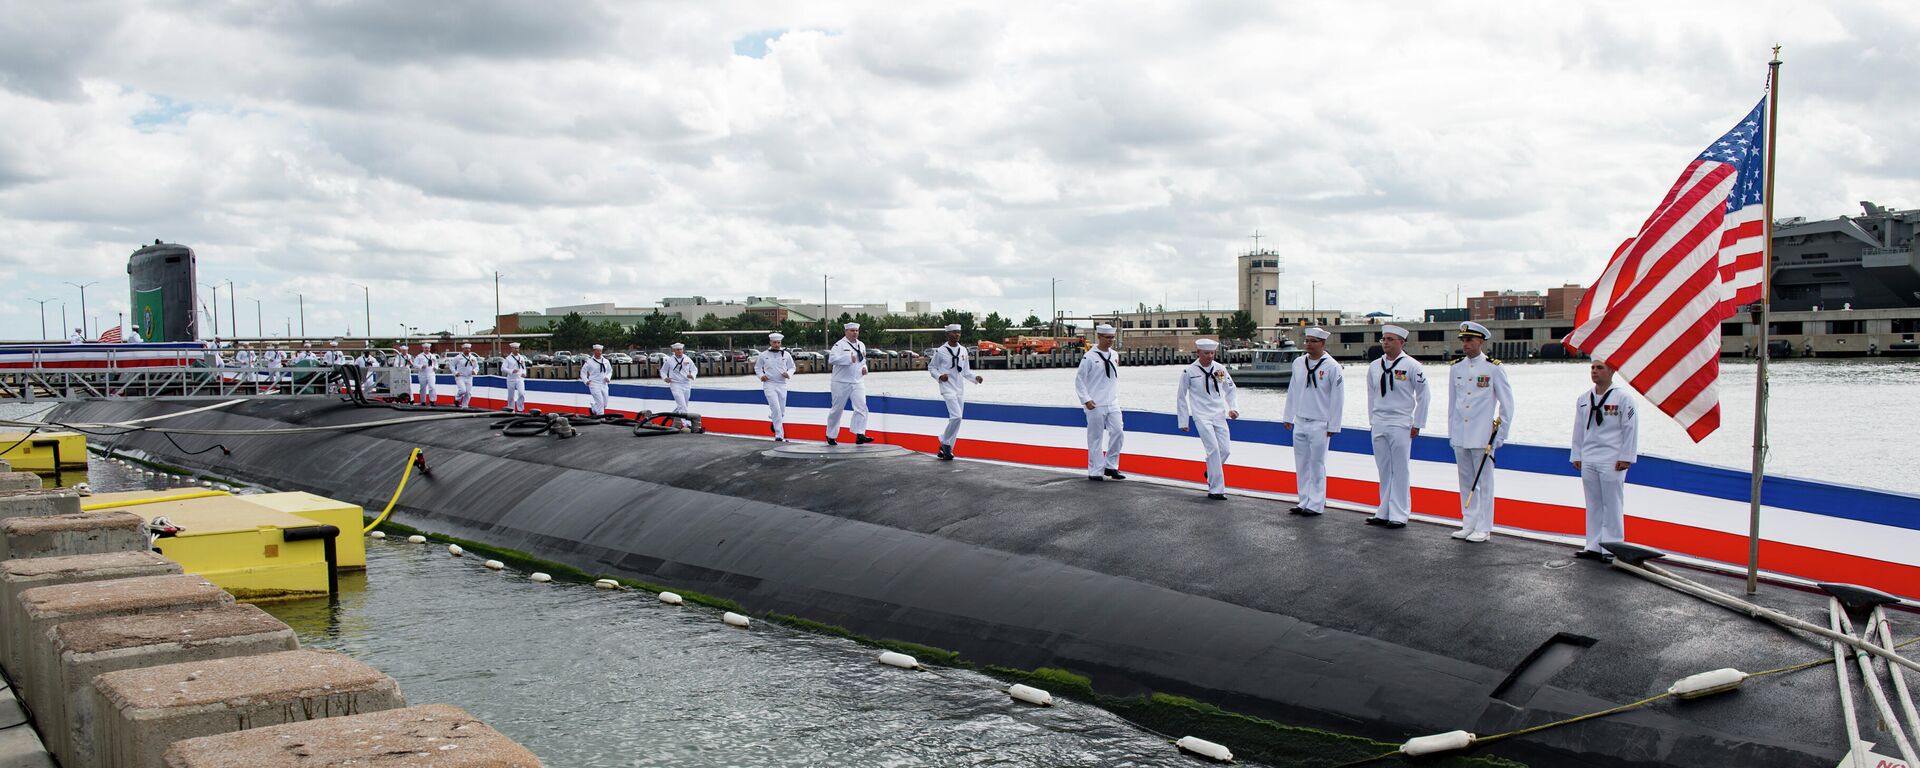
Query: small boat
1269,367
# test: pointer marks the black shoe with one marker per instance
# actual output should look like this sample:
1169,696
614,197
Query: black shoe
861,440
1310,513
1095,478
1376,521
1588,554
1295,511
779,439
831,441
1394,524
944,456
1115,474
1217,496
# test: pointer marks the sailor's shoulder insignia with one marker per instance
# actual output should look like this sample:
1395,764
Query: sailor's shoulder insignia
1494,360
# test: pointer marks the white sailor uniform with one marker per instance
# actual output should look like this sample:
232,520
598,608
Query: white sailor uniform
679,371
1315,396
424,369
849,361
1098,382
1606,430
464,365
1205,395
1478,387
596,372
274,359
953,362
514,368
1397,402
777,366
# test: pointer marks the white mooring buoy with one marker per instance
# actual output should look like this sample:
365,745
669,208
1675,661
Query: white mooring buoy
455,550
539,578
900,660
671,598
735,619
378,534
606,584
1204,748
1030,695
494,565
1438,742
1707,683
416,539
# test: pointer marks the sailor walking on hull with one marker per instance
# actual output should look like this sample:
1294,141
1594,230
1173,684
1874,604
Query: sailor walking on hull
1206,398
1475,430
464,366
1606,441
774,365
426,366
679,371
596,372
274,358
848,357
1097,385
1396,412
950,365
1315,395
514,368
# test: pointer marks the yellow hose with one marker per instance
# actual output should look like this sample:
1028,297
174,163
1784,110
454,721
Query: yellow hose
408,472
154,500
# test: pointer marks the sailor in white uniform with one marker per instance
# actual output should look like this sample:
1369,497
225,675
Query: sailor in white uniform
774,365
399,381
426,366
1396,412
334,356
848,358
1206,397
77,337
132,336
514,368
951,366
679,371
464,366
243,357
368,361
274,359
596,372
1606,441
306,354
1316,393
1097,384
1477,390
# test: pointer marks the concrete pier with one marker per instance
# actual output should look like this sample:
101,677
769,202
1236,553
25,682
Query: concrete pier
38,502
437,735
18,481
86,649
143,711
44,608
17,576
80,533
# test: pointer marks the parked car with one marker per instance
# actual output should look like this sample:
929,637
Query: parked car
910,354
542,359
736,355
990,348
621,357
875,353
656,357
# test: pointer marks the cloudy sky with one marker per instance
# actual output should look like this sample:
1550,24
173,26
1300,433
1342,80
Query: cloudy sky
961,153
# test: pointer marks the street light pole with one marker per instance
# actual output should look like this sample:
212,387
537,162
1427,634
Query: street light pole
83,305
258,329
43,317
826,338
215,313
366,297
233,308
1054,289
303,315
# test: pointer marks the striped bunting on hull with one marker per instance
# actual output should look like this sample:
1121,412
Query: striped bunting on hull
1654,314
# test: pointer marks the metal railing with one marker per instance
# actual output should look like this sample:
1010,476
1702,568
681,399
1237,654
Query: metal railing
172,382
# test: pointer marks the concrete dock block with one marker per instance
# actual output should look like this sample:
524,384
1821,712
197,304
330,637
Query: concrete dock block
141,712
437,735
36,502
19,481
43,608
82,533
17,576
93,647
21,748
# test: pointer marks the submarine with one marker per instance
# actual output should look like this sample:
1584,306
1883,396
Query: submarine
1136,585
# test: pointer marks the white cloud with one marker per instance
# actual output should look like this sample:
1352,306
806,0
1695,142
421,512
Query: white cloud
964,154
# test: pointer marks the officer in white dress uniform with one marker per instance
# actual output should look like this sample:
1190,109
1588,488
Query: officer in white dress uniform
1206,397
464,366
679,371
951,366
1315,395
1478,388
1396,412
596,372
848,357
774,365
514,368
425,365
1606,441
1097,384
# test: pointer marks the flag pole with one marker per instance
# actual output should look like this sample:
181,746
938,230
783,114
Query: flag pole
1761,319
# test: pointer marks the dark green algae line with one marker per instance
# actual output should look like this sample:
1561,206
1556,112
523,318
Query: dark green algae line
1249,737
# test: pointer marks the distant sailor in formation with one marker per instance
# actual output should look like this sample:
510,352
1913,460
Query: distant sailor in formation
679,371
848,357
133,335
274,359
1097,384
514,368
425,367
1397,411
953,368
1206,398
774,365
401,361
1606,441
77,337
243,358
464,366
596,372
368,361
1315,394
334,356
306,353
1479,418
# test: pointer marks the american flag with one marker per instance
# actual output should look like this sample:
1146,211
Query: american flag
1654,314
110,335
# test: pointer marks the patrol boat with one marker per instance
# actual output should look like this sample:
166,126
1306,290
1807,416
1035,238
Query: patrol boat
1269,367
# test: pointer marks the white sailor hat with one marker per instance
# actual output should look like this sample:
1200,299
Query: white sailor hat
1317,333
428,344
775,336
1103,329
1397,331
678,345
466,345
953,327
851,326
597,347
1208,345
513,344
332,343
1472,330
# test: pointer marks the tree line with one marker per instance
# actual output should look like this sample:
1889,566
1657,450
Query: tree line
575,332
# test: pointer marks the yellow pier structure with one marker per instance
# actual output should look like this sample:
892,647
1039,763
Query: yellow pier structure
259,547
44,452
